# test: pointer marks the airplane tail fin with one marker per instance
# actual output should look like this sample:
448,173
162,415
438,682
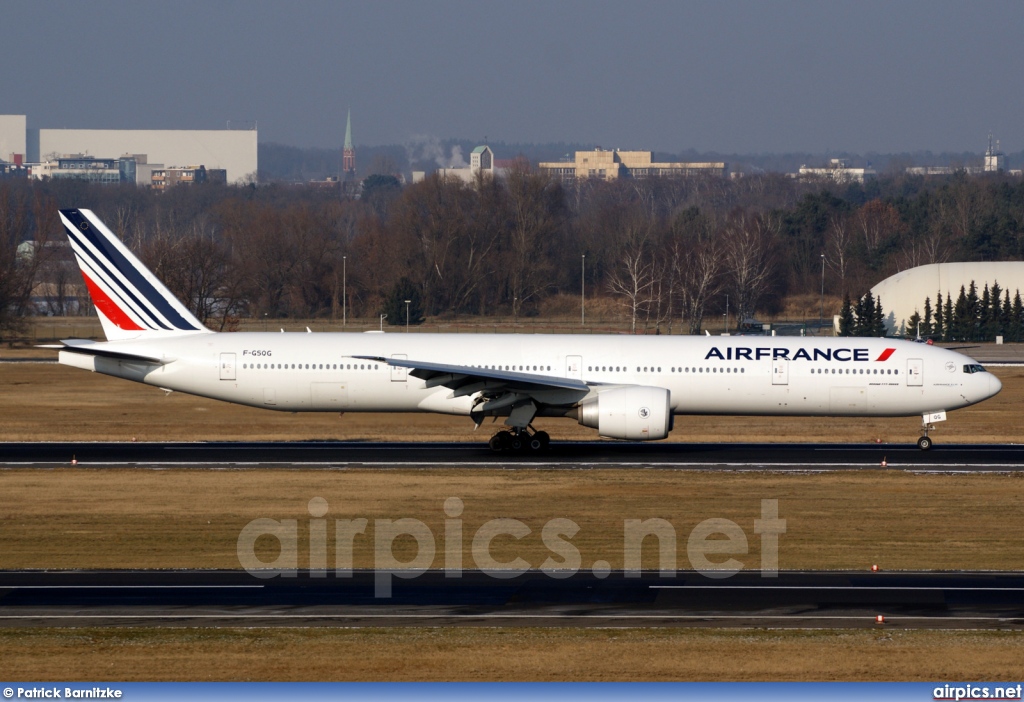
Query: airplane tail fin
130,301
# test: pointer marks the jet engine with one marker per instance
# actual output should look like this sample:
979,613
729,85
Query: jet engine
636,412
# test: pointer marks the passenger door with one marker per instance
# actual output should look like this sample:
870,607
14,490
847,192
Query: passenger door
915,371
227,366
399,375
574,367
780,372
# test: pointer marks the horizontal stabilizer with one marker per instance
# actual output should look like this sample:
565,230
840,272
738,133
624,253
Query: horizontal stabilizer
92,348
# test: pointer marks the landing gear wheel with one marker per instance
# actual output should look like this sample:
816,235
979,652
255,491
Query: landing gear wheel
515,442
924,443
543,438
502,441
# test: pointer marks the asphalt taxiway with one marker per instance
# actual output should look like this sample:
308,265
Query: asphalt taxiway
534,598
572,455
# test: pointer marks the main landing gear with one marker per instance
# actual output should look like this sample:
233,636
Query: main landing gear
520,441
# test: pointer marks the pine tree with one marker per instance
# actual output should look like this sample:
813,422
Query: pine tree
926,322
915,323
846,320
395,307
995,311
972,319
878,327
940,328
1005,315
947,319
859,313
984,324
961,316
866,316
1017,319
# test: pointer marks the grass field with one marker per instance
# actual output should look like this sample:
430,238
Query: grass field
507,654
123,518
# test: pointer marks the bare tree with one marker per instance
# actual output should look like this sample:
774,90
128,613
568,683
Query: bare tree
877,221
839,247
696,255
633,281
749,249
25,224
535,218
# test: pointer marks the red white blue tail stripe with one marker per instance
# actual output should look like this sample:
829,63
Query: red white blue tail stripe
130,300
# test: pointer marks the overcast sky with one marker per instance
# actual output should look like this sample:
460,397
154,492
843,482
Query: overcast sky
742,76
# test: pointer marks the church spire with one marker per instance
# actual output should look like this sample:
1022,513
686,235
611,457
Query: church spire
348,154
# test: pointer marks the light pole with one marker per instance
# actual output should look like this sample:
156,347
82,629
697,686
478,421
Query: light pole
344,291
407,316
821,309
725,317
583,290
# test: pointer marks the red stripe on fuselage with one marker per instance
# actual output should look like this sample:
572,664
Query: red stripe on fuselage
108,307
885,355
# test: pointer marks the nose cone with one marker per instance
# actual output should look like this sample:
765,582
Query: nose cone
994,384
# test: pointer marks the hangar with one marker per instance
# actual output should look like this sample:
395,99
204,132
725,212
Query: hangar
233,149
904,293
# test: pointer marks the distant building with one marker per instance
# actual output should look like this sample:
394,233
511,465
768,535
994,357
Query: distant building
12,170
612,165
164,178
839,171
481,161
995,160
12,138
130,168
939,170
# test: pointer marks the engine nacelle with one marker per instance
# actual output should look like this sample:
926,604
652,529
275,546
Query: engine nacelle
638,413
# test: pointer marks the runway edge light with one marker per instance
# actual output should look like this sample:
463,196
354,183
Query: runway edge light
880,619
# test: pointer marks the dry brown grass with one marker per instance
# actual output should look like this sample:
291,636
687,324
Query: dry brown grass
122,518
43,402
125,655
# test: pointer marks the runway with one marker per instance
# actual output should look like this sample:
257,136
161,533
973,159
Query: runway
565,455
687,599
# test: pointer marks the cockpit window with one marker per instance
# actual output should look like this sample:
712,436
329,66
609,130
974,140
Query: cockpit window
974,368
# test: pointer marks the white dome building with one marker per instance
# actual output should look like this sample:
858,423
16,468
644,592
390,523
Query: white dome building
904,293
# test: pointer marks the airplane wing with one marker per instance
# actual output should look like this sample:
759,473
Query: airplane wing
500,389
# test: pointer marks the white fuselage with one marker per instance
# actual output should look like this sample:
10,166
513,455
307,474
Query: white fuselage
740,375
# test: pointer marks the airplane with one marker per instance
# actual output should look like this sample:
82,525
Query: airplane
624,386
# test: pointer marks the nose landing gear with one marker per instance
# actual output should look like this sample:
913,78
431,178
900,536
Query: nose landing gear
925,442
520,440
